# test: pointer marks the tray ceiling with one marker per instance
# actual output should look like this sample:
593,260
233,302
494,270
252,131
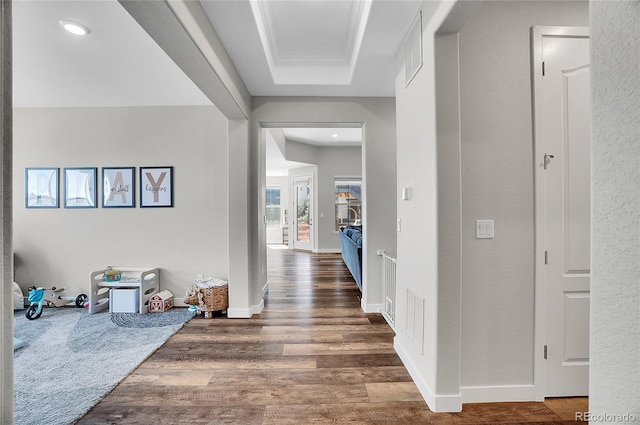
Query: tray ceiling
311,47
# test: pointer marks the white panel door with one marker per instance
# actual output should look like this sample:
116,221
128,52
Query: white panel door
566,168
303,212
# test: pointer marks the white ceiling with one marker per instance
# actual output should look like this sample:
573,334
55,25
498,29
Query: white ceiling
277,165
280,48
314,48
117,64
325,136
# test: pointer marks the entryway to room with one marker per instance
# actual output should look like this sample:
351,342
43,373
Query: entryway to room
314,188
306,172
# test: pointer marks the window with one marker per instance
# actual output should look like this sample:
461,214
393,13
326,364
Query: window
348,202
273,209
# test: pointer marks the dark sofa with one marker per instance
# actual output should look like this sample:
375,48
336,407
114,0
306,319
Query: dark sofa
351,247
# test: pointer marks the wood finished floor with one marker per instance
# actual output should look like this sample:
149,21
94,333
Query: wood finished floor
311,357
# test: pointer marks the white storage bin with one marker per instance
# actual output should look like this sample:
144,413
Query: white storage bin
124,300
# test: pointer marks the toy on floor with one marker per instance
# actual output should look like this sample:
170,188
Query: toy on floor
38,296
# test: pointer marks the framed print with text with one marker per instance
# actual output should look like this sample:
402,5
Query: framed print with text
156,187
80,186
118,187
41,187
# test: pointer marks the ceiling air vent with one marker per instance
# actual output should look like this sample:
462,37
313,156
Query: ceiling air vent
413,49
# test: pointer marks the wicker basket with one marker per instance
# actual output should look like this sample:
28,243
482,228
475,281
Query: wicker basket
192,299
213,299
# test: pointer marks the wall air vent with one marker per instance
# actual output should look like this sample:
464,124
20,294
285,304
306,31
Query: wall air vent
415,319
413,49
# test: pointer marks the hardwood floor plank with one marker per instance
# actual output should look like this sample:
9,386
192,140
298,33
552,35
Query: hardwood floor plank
352,414
567,407
503,413
326,376
173,415
359,360
392,391
209,362
293,322
169,377
238,395
337,349
297,338
364,328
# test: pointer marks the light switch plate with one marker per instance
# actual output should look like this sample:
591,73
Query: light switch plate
485,229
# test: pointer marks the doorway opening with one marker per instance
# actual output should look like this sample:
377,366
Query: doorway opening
303,167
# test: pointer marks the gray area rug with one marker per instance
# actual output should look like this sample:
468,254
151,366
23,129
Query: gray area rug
72,359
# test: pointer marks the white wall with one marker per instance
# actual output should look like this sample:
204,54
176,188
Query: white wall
417,270
449,212
62,246
378,167
615,293
497,183
496,303
333,162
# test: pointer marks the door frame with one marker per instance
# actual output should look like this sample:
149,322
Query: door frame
540,284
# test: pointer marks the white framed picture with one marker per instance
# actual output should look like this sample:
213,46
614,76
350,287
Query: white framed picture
156,187
118,187
41,187
80,187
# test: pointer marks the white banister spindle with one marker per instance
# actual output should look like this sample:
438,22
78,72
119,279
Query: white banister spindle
389,288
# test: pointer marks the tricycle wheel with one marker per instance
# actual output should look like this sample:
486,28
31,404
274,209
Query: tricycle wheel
32,312
81,299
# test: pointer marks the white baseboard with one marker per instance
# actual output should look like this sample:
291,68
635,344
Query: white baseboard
500,393
443,403
327,251
179,302
370,308
245,313
257,309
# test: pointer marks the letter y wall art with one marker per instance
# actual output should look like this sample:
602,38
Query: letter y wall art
80,188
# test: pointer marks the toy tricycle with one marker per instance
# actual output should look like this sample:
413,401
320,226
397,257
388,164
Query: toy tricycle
37,298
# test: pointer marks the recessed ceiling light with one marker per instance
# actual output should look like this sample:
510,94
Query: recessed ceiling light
334,135
75,28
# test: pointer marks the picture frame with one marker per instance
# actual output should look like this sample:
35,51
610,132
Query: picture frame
41,187
80,187
118,187
156,187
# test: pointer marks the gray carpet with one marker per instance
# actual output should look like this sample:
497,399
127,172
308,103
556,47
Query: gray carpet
72,359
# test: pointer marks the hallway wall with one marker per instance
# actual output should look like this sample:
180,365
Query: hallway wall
497,183
494,360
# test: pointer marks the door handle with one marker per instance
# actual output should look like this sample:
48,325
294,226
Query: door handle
547,160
